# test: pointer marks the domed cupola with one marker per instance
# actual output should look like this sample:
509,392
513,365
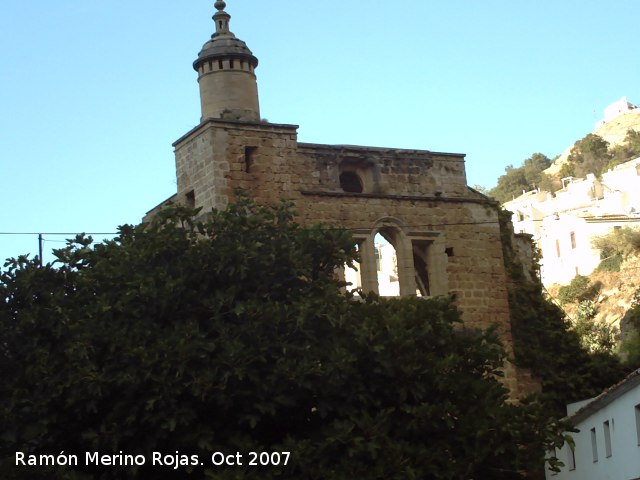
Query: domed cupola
226,74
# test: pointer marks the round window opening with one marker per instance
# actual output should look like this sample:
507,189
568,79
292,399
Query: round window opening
350,182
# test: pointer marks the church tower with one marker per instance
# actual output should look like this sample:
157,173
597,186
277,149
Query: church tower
226,74
446,237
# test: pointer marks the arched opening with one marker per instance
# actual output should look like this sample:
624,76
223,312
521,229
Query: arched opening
386,263
350,182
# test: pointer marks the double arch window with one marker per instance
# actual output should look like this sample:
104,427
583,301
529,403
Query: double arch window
394,263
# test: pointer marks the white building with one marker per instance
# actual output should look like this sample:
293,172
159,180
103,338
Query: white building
607,447
614,110
564,224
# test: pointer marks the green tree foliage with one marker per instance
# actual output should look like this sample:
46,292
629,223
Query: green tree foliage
630,334
593,154
579,289
610,264
524,178
594,336
545,343
534,167
620,242
630,349
234,335
510,185
629,150
568,169
590,155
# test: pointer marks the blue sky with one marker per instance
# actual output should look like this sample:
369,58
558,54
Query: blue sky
93,93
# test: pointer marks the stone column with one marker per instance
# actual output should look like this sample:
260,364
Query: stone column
369,272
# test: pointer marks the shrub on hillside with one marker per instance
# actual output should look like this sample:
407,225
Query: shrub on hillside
630,334
622,242
580,289
610,264
594,336
590,155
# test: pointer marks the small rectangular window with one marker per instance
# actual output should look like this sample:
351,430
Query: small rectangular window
594,445
190,199
421,250
638,423
572,235
571,457
607,439
249,158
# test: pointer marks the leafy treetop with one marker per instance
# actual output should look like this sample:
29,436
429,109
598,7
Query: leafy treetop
591,154
233,334
524,178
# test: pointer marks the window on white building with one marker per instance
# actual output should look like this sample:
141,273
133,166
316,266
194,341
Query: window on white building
572,235
638,423
594,445
571,457
607,439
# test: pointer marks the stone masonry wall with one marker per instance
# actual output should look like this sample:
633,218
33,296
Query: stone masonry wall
211,161
417,199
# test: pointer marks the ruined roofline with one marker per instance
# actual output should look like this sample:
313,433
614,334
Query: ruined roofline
248,125
332,148
400,197
360,148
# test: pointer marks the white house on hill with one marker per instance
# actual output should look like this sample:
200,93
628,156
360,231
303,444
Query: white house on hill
564,224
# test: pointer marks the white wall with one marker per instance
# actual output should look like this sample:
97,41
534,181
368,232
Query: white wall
624,462
577,258
583,207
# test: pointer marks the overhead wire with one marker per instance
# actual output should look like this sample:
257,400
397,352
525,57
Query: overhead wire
490,222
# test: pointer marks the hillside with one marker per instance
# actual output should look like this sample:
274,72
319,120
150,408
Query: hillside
607,146
615,294
613,132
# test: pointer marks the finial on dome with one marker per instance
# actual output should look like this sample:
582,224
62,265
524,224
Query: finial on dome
226,74
221,19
